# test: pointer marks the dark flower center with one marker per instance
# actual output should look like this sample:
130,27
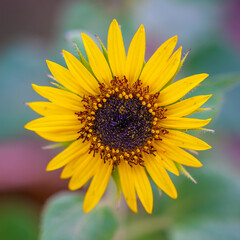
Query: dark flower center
123,124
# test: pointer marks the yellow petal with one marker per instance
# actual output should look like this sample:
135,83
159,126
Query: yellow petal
64,77
127,185
55,124
177,154
183,123
187,106
60,97
180,88
48,108
70,168
185,140
64,136
97,187
73,166
159,175
82,75
168,164
135,56
143,187
157,63
167,73
76,149
97,61
84,171
116,50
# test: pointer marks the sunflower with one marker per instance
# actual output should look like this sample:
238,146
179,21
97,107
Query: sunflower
121,116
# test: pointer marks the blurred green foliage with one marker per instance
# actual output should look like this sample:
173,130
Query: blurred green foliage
18,220
20,65
63,219
209,210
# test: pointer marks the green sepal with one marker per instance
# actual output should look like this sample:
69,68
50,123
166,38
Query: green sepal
56,145
83,60
181,62
116,178
202,110
160,192
203,129
185,172
59,86
194,152
52,77
63,88
55,82
105,53
178,69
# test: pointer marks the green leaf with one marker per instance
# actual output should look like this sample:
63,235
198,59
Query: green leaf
63,219
215,196
185,172
199,210
214,229
214,103
218,84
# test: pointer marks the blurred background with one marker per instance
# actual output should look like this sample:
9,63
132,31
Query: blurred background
33,31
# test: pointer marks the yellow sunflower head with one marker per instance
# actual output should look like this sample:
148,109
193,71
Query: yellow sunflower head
123,115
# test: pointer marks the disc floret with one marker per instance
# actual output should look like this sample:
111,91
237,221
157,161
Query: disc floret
121,122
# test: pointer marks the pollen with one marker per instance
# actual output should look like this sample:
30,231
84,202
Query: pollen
120,123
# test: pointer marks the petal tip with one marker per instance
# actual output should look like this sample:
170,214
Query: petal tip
49,167
50,65
114,21
208,96
175,38
26,126
205,75
149,209
174,194
71,186
174,197
84,36
133,207
85,210
65,53
34,86
199,164
86,207
208,120
207,146
142,29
